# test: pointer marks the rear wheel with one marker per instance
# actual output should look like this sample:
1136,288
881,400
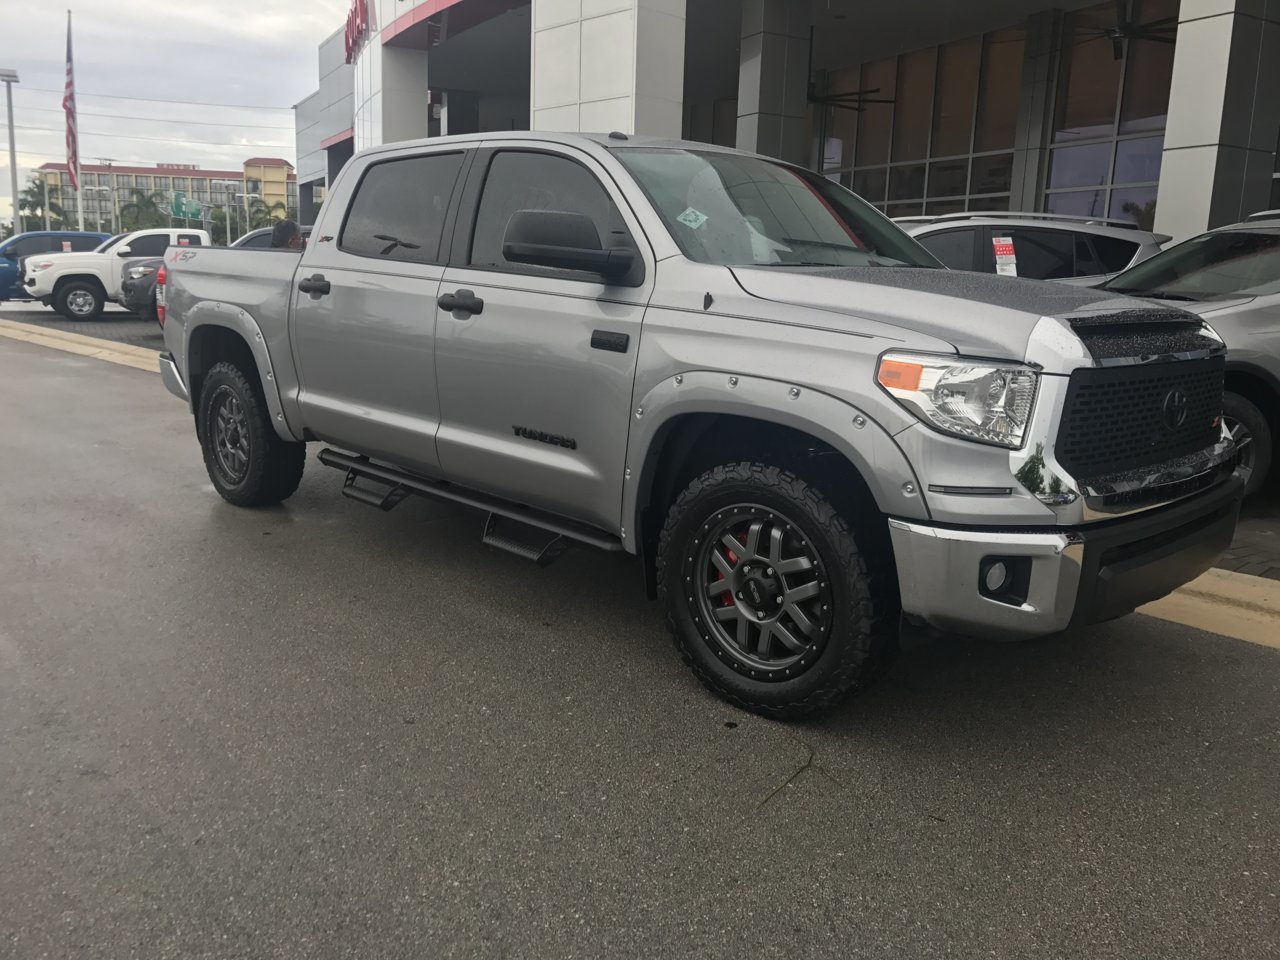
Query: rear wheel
767,593
1251,432
247,461
79,300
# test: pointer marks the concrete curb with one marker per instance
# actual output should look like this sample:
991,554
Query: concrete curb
1224,602
140,358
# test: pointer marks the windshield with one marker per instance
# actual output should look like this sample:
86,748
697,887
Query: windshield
107,245
1215,266
745,211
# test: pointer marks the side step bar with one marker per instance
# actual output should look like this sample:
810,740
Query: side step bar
525,531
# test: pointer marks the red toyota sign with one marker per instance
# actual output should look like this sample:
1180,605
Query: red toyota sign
357,27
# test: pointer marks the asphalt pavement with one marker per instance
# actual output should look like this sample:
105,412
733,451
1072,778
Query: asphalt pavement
319,730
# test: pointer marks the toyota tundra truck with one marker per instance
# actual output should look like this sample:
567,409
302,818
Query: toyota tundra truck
806,429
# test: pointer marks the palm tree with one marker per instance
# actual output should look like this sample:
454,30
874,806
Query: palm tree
262,215
144,211
31,206
1144,215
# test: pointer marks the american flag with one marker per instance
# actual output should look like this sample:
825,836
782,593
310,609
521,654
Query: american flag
69,107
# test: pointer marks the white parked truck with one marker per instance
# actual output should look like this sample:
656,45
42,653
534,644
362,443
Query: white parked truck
79,285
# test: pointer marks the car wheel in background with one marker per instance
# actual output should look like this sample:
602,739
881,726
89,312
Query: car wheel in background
79,300
1249,428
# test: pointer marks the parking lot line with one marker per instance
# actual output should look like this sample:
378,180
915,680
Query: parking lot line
140,358
1224,602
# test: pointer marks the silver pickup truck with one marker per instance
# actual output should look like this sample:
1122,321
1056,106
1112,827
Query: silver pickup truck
733,368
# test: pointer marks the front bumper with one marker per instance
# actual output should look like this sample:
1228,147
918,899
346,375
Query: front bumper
172,378
36,287
1077,575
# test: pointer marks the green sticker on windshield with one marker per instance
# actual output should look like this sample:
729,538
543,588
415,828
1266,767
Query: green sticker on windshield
692,218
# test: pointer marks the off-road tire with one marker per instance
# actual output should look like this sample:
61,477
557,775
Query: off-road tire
1242,411
861,635
274,466
79,288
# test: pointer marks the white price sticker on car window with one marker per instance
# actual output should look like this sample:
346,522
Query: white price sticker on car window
692,218
1006,256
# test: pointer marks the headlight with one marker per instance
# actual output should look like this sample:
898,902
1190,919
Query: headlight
137,273
973,399
37,265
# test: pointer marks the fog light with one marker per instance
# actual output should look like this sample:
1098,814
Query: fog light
1005,579
997,576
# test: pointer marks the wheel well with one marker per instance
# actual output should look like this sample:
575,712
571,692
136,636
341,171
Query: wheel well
211,344
88,278
690,445
1257,389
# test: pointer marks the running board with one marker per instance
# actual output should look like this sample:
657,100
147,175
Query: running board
542,542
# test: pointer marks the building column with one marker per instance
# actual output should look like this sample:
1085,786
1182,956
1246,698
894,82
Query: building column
605,65
1224,116
406,102
773,78
306,204
1035,108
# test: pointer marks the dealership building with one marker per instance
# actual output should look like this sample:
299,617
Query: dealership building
1163,112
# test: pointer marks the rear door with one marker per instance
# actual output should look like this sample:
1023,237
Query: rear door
535,390
365,343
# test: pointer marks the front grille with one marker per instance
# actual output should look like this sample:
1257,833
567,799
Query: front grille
1118,419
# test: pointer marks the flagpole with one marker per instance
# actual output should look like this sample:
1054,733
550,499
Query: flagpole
73,131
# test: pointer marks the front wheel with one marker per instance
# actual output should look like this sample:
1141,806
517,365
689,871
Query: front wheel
249,464
79,300
767,592
1251,432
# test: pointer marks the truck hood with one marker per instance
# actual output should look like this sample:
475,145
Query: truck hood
979,314
63,261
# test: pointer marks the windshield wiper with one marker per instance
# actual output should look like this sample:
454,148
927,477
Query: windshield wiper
395,242
1153,294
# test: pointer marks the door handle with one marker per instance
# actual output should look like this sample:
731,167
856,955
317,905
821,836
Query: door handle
461,301
315,285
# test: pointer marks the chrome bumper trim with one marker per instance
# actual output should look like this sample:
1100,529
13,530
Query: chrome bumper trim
938,577
172,379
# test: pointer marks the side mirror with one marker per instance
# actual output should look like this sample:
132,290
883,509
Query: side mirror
563,241
123,251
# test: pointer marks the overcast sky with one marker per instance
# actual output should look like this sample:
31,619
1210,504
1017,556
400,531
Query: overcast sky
260,53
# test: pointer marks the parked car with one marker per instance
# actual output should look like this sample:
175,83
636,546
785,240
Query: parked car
138,286
1076,250
731,367
79,285
1231,277
14,250
261,238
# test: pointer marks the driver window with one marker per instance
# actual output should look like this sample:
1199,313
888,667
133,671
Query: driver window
520,180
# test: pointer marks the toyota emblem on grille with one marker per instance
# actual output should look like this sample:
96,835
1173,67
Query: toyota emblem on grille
1175,409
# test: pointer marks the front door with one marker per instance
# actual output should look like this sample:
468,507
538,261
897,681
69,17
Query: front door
364,315
535,389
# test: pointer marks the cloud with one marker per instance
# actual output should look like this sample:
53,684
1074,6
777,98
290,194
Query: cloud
253,52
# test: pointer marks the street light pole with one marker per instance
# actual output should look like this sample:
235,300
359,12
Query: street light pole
10,77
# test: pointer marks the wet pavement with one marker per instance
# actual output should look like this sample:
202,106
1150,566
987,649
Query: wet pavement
319,730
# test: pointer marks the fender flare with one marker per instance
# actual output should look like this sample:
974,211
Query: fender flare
215,313
868,447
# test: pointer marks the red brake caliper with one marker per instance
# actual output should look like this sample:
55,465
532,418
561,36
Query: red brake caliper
728,594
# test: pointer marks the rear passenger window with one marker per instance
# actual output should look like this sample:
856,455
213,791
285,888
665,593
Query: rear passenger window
189,240
1044,254
80,244
1115,254
399,208
152,245
539,181
1087,265
259,241
953,247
